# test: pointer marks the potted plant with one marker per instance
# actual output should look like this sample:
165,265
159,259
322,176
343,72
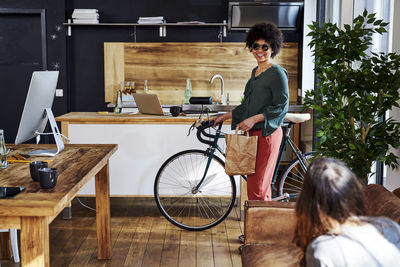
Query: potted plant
354,92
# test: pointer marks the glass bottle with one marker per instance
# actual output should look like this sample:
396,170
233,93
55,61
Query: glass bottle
127,86
146,88
132,88
188,91
118,102
3,151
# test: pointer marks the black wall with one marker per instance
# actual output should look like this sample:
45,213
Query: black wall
18,33
80,57
86,43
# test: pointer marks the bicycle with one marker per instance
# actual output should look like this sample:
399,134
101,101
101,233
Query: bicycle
193,192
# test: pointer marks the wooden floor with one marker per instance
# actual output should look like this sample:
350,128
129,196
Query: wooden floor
141,236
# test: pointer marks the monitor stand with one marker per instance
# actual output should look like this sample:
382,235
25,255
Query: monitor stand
56,134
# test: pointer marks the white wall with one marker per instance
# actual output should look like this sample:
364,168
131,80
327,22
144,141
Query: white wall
346,15
310,15
392,180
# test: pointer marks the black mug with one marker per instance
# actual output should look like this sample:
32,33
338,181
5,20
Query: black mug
34,167
48,177
175,110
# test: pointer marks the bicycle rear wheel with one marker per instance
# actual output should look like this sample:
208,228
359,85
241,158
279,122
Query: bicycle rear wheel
192,209
292,178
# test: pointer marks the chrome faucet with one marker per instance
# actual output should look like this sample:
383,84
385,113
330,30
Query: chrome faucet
223,98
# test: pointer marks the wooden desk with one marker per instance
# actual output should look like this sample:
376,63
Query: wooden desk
34,209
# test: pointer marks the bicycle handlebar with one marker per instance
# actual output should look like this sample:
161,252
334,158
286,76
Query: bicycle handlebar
201,131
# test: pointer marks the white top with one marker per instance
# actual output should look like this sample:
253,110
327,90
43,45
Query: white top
376,243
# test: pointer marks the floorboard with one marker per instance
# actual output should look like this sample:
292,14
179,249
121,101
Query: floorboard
141,236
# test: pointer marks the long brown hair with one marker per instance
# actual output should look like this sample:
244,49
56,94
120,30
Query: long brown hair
330,195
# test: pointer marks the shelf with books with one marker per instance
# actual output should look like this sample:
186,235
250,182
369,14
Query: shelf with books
162,26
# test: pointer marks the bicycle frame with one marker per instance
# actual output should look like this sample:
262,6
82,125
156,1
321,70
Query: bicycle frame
211,150
287,140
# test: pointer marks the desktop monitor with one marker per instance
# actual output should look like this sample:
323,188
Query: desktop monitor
37,110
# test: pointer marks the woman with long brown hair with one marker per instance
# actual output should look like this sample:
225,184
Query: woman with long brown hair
332,228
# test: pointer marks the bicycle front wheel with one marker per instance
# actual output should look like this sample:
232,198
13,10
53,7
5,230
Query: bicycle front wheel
292,178
185,206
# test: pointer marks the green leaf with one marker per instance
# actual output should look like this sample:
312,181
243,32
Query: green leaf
320,133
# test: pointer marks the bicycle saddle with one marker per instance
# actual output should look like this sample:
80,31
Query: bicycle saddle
297,118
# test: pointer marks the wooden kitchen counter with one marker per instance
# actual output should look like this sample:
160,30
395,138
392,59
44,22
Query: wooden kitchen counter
113,118
126,118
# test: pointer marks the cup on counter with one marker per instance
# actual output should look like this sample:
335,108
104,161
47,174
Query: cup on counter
175,110
34,167
48,177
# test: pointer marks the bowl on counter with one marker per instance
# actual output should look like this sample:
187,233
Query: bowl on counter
175,110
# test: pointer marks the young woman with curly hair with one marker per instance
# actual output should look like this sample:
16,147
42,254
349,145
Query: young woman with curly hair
266,100
332,228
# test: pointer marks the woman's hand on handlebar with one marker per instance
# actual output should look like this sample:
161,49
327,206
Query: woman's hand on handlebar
222,118
217,120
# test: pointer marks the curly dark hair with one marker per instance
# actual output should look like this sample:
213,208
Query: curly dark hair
268,32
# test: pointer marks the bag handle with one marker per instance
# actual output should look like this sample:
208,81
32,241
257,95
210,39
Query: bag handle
237,129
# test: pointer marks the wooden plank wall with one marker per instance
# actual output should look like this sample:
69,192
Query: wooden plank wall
167,65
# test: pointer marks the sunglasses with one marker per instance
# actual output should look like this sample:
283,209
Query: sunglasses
255,46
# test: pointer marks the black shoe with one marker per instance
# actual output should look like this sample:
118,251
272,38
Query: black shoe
240,249
241,238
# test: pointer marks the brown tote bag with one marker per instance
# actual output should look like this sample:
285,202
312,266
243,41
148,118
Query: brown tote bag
241,151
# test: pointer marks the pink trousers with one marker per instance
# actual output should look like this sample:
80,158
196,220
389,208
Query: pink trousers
259,184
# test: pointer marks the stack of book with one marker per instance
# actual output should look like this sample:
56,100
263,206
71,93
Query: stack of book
151,20
87,16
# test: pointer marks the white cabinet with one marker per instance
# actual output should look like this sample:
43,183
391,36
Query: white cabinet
142,148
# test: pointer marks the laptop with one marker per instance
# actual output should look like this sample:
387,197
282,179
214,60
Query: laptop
148,104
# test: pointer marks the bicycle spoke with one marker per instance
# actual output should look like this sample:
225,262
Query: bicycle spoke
301,176
209,208
172,203
295,180
288,190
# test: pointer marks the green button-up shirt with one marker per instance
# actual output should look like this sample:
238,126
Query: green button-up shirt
266,94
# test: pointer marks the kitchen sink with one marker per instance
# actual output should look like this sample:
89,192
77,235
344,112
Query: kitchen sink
196,111
213,108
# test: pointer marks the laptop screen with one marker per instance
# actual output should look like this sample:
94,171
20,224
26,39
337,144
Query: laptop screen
148,104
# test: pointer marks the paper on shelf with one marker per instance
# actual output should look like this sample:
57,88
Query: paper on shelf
190,22
82,10
151,20
85,16
86,21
